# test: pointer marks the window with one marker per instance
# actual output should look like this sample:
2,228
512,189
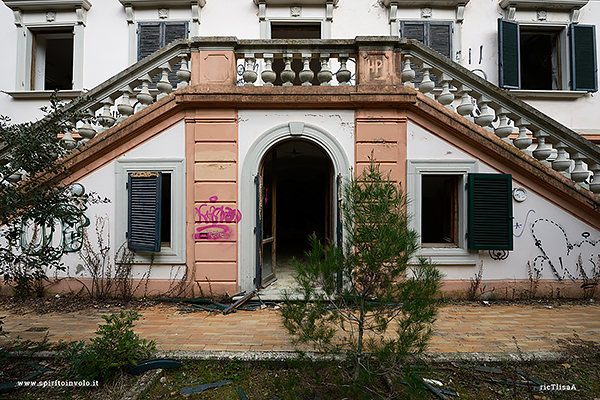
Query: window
53,60
436,35
296,31
151,208
153,36
545,57
457,211
49,51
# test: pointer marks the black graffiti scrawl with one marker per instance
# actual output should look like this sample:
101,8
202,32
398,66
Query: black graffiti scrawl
561,254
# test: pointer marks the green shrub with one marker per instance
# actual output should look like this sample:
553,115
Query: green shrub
116,346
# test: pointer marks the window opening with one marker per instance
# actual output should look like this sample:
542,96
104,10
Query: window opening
540,60
153,36
436,35
165,214
52,60
296,31
439,217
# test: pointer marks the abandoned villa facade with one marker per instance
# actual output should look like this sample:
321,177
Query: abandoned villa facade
226,130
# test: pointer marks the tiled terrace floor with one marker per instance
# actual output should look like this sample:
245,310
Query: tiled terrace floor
464,328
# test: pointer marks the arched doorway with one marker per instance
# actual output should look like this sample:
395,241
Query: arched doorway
296,186
340,156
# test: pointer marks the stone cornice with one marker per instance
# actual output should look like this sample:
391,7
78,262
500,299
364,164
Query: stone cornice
296,2
425,3
43,5
159,3
565,5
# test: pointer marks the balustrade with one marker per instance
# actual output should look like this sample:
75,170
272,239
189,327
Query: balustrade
333,63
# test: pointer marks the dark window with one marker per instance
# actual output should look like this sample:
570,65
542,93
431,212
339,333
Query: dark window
530,57
490,212
439,210
144,212
165,210
436,35
53,60
153,36
296,31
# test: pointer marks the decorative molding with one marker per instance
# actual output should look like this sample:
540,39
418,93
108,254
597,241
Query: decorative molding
295,11
295,2
564,5
426,12
163,13
196,13
50,16
460,13
425,3
161,3
18,15
130,15
542,15
44,5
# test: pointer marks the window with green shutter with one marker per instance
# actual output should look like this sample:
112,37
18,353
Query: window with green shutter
434,34
144,211
490,212
536,57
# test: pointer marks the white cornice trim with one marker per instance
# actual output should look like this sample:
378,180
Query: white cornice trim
43,5
159,3
425,3
296,2
543,4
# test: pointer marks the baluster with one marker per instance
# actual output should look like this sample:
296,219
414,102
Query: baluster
595,184
522,142
542,151
343,75
561,163
579,174
465,108
68,142
426,86
486,116
446,97
288,75
183,75
249,74
124,107
144,97
164,86
407,73
106,120
306,75
503,130
324,76
87,131
15,177
268,75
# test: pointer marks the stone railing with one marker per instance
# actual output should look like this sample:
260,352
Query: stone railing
497,111
336,63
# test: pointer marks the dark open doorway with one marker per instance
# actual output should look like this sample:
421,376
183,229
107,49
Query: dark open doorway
297,200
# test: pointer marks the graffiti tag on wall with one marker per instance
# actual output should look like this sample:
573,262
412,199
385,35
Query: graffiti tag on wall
566,258
215,221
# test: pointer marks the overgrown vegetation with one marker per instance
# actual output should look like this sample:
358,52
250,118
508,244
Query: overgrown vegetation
474,283
41,218
365,300
116,346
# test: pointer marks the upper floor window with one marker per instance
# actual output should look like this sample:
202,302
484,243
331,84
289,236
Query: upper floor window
434,34
49,46
547,57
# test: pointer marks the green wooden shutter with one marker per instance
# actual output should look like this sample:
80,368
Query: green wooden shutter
490,212
584,66
143,226
509,63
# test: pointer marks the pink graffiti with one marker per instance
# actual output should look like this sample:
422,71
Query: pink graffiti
211,219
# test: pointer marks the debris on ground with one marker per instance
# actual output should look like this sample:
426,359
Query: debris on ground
156,363
226,305
202,388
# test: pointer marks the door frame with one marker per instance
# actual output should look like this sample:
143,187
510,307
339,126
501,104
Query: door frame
342,165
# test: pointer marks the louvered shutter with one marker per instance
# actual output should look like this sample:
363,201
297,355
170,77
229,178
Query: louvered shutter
584,65
149,39
174,31
439,37
414,30
490,212
508,54
143,227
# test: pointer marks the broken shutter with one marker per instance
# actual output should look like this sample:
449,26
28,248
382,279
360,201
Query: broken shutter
490,212
508,54
143,227
584,66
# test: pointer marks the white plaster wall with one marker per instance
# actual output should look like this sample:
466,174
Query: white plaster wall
106,43
559,234
169,144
